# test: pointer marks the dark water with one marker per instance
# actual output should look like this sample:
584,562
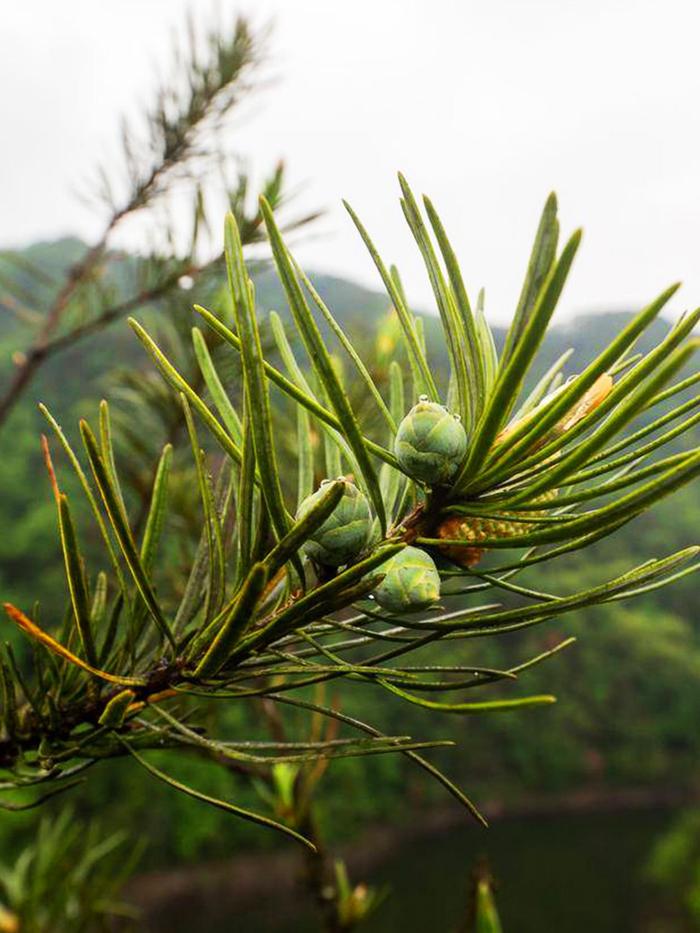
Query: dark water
565,874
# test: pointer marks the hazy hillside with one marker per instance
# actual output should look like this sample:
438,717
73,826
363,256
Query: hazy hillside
33,272
355,306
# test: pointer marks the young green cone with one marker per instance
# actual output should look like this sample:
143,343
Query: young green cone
411,583
430,443
345,533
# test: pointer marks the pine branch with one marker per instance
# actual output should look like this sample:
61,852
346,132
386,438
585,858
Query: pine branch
208,82
410,507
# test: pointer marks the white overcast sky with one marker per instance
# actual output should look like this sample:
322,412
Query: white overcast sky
484,105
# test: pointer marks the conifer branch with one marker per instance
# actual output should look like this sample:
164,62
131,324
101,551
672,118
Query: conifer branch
283,594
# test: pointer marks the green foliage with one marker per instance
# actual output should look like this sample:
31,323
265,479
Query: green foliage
354,904
258,618
68,880
674,863
486,916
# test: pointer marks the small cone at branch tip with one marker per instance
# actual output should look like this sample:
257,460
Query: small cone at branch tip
430,443
473,529
345,533
411,582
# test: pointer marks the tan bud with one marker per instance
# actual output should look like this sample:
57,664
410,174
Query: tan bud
591,399
597,393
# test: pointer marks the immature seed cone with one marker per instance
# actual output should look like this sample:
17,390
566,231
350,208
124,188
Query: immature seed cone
411,583
345,532
472,530
430,443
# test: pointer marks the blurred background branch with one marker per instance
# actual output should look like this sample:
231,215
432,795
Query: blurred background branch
181,147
